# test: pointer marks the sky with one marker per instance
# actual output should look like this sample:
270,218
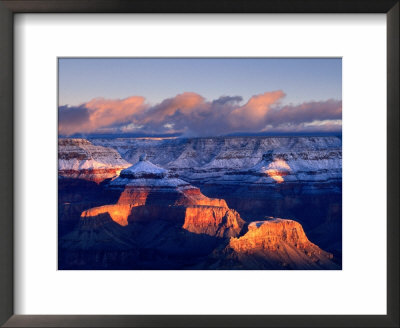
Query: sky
199,97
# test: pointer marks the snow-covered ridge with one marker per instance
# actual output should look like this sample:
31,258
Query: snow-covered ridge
218,160
143,169
79,158
76,154
234,152
145,174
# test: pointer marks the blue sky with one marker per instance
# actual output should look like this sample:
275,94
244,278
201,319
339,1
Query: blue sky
81,80
194,96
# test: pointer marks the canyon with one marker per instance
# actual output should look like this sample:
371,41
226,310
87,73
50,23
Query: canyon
200,203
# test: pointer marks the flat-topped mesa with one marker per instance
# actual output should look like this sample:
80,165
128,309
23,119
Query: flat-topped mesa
278,243
80,159
268,235
149,192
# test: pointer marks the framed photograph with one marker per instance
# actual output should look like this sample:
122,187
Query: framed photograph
214,164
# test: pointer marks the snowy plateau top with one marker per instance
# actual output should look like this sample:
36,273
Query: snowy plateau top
143,169
80,154
146,174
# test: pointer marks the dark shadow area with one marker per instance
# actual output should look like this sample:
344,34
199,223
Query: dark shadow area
76,196
142,245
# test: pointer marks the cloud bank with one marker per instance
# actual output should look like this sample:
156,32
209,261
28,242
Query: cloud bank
190,114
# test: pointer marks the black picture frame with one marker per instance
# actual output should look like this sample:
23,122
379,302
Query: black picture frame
10,7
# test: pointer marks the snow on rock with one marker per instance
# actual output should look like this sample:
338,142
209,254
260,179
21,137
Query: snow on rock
143,169
149,193
238,160
79,158
146,174
276,169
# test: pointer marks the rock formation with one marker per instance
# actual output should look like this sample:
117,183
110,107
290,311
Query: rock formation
277,244
218,159
156,215
79,158
213,220
151,193
257,176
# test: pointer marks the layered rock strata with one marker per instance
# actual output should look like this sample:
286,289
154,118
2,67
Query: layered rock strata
161,221
278,244
149,192
80,159
218,159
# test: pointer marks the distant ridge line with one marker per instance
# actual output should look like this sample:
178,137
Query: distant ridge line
244,135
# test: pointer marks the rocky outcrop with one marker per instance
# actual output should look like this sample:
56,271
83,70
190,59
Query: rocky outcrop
215,221
134,196
151,193
269,235
118,213
193,196
277,243
80,159
159,221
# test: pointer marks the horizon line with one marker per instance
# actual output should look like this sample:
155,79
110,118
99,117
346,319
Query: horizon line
180,135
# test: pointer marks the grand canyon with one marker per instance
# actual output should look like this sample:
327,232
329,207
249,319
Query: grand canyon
201,203
199,163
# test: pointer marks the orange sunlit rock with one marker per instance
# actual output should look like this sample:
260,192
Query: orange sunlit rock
278,169
269,235
133,196
118,212
213,221
276,175
137,197
149,196
275,244
193,196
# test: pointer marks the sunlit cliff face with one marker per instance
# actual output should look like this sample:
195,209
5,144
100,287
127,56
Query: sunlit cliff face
281,241
268,235
119,212
278,169
215,221
212,210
